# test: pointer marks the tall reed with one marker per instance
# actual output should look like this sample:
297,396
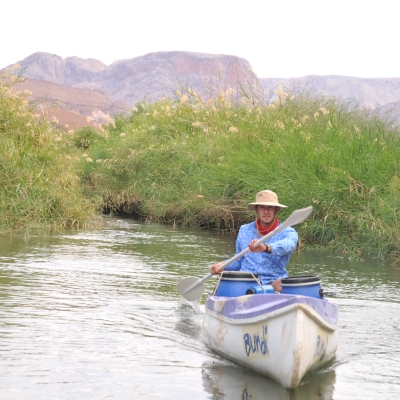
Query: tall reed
39,186
197,162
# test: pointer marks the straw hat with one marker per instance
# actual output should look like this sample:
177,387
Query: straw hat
265,198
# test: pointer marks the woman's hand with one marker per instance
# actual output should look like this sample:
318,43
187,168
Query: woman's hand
215,268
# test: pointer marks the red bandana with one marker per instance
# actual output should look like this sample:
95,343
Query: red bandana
265,230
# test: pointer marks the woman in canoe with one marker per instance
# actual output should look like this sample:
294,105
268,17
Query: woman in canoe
269,259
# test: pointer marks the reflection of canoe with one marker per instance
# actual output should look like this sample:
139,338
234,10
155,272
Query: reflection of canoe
283,336
230,381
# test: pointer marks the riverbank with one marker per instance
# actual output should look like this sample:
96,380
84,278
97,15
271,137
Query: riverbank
193,162
199,163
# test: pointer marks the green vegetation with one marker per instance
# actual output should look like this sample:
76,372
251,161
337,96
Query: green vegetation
197,163
39,186
187,161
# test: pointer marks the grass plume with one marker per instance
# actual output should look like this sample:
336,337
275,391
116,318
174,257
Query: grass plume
196,162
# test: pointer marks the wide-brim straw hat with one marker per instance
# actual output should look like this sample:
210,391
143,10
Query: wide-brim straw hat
265,198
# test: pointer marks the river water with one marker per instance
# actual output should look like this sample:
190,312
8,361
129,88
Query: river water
94,314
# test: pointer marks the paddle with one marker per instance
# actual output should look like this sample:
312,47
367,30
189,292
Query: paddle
192,288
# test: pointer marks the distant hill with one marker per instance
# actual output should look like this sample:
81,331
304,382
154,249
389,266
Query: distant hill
367,92
74,107
391,109
86,88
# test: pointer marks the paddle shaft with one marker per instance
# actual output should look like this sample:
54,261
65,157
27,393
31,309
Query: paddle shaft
245,251
295,218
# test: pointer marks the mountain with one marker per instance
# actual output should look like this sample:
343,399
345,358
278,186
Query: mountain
367,92
79,89
380,94
89,88
151,76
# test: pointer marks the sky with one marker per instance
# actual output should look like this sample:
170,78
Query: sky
280,38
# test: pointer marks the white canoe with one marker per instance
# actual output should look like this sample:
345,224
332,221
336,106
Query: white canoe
283,336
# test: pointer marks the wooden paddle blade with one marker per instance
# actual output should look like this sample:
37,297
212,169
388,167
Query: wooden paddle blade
195,285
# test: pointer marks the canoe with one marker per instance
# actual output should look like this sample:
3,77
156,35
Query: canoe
283,336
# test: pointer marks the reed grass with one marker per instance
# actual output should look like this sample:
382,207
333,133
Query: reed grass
195,162
39,186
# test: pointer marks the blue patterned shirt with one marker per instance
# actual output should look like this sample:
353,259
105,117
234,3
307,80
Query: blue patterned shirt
269,266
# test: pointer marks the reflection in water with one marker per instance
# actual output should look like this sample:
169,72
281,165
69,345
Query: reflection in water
234,382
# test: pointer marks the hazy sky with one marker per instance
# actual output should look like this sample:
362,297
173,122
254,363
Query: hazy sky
279,38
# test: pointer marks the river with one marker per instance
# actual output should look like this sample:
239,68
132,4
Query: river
94,314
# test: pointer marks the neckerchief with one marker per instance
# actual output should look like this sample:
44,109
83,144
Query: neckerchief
265,230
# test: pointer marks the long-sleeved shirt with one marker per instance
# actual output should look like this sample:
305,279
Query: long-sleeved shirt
268,266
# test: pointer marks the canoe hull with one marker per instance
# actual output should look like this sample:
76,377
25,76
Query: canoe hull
281,336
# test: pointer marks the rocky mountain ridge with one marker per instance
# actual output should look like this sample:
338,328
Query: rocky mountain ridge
151,76
95,91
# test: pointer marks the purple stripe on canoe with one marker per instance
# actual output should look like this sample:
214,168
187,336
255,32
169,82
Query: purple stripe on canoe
260,304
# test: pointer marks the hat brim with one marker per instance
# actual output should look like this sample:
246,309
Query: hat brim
252,206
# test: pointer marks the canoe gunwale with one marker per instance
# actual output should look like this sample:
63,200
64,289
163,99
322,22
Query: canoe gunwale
243,309
284,310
